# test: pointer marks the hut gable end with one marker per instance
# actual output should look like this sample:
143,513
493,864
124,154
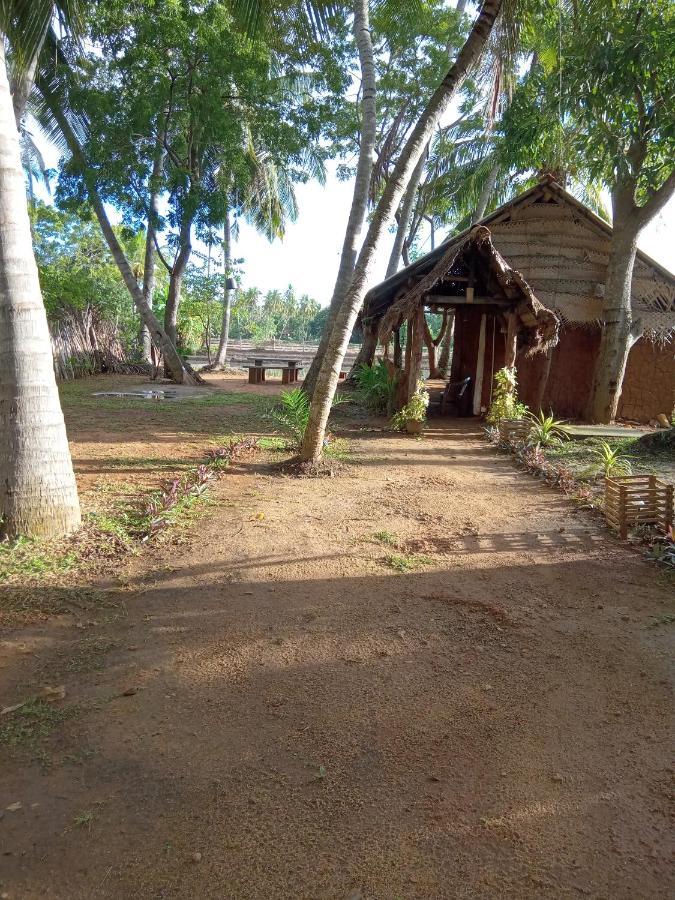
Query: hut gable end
561,248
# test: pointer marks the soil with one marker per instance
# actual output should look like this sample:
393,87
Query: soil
427,676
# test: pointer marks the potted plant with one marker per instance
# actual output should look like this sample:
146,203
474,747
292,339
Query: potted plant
411,417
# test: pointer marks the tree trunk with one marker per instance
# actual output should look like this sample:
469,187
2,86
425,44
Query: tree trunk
221,355
366,355
38,494
446,345
617,337
176,282
405,214
486,193
398,352
431,349
151,233
346,315
364,169
179,373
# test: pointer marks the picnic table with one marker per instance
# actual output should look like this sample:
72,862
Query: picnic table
290,369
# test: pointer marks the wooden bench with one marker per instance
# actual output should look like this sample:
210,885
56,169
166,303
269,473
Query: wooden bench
290,370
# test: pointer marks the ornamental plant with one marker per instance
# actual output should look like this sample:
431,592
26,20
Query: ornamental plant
505,403
415,410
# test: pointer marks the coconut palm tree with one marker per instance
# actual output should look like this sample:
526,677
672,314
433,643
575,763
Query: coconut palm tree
327,380
38,494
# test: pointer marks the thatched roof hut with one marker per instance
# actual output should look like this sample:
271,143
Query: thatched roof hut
543,256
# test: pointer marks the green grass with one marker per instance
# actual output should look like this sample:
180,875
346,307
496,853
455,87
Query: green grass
407,563
580,454
28,728
30,558
386,537
340,449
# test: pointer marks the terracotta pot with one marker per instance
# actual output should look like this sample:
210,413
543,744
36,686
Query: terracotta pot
414,427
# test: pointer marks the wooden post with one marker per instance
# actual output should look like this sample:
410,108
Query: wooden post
480,367
511,340
623,524
415,367
543,381
669,507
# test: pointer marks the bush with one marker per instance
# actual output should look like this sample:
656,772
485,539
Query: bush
293,413
375,386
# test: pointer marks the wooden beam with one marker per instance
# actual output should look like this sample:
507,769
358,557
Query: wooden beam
451,300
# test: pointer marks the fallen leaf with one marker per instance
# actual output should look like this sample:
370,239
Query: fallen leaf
130,692
14,806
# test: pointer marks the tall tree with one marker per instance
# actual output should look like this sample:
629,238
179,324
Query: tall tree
329,373
364,168
38,494
599,101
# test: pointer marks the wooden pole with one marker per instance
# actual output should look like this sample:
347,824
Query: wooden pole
414,367
511,340
480,367
543,381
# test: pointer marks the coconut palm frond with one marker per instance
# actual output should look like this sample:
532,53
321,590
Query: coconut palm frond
26,24
310,16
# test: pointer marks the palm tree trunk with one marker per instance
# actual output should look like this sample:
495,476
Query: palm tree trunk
150,236
486,193
404,217
364,168
345,318
221,355
179,372
38,494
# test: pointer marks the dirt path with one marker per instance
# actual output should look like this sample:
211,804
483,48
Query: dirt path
310,722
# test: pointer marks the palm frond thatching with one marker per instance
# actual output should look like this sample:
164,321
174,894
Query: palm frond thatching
542,325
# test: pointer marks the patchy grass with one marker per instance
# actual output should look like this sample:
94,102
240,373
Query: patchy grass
24,603
407,563
386,537
579,454
90,655
28,728
340,449
28,558
83,820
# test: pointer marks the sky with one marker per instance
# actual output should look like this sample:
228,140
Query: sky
308,256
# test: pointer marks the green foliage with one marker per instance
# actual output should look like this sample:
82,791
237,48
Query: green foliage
609,461
277,314
597,101
293,412
546,431
376,386
28,727
415,410
386,537
505,404
407,563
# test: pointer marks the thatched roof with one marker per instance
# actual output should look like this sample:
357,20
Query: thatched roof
540,323
561,248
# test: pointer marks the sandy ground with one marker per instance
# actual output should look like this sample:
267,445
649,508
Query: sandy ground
302,720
